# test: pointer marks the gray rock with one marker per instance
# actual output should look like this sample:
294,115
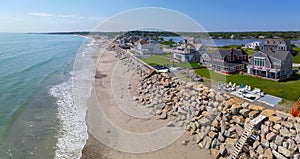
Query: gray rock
278,155
180,123
292,146
297,156
214,143
297,138
270,136
226,133
264,129
221,137
265,143
223,126
245,112
277,126
297,127
245,104
163,116
199,137
208,142
273,146
278,140
284,151
287,124
285,132
204,121
285,145
181,111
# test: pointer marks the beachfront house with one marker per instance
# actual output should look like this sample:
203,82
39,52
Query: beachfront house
254,45
273,64
225,61
149,47
188,51
277,44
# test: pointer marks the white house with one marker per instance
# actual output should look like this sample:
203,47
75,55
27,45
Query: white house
253,45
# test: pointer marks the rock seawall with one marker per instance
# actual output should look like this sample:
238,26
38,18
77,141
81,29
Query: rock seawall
217,120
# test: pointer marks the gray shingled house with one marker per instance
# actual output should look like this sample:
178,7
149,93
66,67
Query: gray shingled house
274,64
277,44
225,61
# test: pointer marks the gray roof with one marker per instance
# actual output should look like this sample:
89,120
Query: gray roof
223,53
280,55
276,41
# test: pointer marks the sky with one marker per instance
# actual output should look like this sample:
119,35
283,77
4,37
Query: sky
85,15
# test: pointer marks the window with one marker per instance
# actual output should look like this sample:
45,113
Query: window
258,61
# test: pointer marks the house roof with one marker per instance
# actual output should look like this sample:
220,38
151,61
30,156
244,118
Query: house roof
276,42
223,53
280,55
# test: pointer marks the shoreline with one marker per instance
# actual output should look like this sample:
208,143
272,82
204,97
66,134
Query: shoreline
95,149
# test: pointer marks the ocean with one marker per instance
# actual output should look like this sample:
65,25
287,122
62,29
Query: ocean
38,118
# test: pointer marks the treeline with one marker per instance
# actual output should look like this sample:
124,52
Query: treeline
151,33
215,35
244,35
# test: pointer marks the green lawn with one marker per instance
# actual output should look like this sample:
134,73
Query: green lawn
249,51
157,60
287,90
296,59
162,60
188,64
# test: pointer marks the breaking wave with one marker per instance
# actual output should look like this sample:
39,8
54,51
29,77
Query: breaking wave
72,97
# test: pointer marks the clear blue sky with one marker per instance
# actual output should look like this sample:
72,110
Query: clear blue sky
84,15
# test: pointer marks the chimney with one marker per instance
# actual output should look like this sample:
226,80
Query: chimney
271,49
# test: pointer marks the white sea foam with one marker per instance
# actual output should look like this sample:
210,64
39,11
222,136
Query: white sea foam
72,97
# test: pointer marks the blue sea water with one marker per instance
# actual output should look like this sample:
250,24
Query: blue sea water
30,65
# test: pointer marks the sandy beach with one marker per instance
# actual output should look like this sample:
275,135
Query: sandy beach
111,100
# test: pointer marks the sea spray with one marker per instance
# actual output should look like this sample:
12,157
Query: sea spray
72,97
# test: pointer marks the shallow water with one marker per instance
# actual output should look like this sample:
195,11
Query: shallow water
31,64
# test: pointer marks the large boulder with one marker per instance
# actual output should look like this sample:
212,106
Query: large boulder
285,132
284,151
268,154
268,112
255,107
278,155
270,136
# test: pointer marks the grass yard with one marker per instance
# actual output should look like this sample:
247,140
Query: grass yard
157,60
289,90
249,51
296,59
162,60
188,65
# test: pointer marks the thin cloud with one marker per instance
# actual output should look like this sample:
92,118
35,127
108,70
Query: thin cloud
66,16
40,14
